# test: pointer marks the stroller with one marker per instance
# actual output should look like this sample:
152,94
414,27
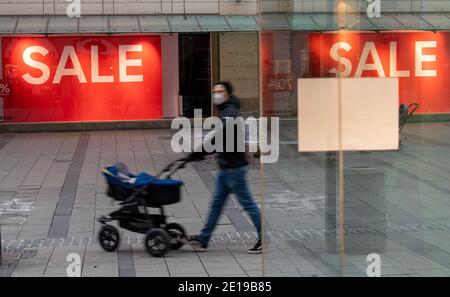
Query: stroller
405,113
137,193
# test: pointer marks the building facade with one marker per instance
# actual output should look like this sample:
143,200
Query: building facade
153,60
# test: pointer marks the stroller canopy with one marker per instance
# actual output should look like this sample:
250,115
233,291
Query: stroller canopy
120,176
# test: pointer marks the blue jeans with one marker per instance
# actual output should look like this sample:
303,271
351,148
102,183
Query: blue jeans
230,181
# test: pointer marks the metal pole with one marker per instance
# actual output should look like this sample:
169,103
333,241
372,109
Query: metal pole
331,180
330,202
1,112
342,9
261,165
1,249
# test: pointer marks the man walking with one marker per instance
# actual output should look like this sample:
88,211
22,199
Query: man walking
232,176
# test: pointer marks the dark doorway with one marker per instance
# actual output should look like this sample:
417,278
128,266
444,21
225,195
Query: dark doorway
195,73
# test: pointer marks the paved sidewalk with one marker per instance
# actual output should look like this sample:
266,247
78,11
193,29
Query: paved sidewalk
397,204
52,192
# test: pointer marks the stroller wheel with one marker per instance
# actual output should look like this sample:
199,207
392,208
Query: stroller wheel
157,242
177,235
109,238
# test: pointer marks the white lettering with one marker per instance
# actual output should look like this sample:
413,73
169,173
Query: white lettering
374,268
188,287
369,48
421,58
96,77
393,63
74,8
74,268
35,64
124,63
334,53
374,8
69,51
181,140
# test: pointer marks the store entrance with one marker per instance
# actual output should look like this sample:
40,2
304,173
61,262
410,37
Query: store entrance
195,73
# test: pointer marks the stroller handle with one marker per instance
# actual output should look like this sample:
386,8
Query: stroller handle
173,167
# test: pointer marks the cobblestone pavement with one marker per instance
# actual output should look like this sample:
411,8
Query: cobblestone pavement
52,192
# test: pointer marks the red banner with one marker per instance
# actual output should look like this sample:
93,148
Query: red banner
89,78
420,60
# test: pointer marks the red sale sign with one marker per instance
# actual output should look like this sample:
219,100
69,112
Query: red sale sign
89,78
420,60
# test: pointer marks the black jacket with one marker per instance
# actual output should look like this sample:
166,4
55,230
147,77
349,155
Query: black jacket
234,159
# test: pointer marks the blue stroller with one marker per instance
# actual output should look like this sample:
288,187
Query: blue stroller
137,193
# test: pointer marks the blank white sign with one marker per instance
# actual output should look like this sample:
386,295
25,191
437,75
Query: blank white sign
369,114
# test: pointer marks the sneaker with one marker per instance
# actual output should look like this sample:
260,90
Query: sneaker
257,248
197,244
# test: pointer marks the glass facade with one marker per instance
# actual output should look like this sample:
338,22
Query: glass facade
337,212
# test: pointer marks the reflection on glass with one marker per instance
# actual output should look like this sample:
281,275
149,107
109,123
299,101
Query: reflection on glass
396,202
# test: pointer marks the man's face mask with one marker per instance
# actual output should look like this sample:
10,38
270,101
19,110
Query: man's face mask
218,98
